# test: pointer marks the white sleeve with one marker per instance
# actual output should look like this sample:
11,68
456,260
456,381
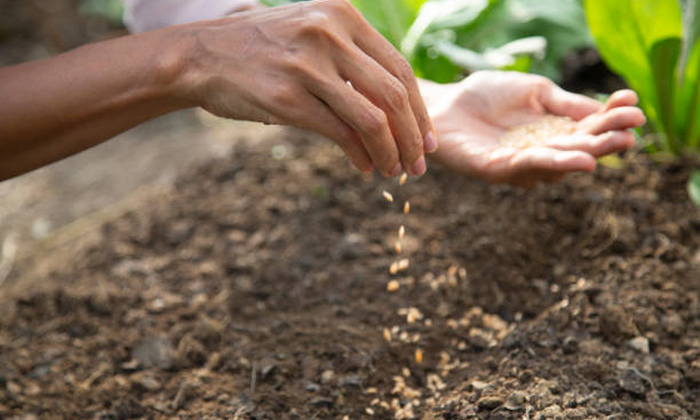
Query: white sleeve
146,15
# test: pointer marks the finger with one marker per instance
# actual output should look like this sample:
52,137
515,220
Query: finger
365,119
378,48
597,146
539,160
624,97
620,118
389,94
320,118
560,102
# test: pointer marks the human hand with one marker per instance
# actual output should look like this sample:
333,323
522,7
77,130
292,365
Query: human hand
472,117
320,66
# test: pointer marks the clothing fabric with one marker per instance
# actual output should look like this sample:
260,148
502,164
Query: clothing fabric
147,15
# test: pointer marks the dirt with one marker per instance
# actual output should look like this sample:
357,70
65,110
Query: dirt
257,289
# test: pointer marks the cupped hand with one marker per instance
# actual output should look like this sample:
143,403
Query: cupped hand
472,117
320,66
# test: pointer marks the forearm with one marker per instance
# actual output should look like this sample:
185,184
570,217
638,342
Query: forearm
60,106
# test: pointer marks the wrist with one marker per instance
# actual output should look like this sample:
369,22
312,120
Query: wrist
175,68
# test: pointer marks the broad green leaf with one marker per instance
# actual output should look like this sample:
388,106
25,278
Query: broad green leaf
664,59
694,187
625,32
392,18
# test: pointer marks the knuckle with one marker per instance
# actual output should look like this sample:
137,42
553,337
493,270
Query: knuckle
285,95
374,123
404,71
315,23
340,6
395,95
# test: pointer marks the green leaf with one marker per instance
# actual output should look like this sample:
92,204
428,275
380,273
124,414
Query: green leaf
694,187
392,18
690,94
441,14
664,59
625,32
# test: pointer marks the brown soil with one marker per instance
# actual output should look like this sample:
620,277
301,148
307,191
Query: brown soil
257,290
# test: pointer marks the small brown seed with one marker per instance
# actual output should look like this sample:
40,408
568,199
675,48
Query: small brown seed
387,196
406,207
397,247
387,335
403,178
402,232
394,268
419,356
393,286
403,264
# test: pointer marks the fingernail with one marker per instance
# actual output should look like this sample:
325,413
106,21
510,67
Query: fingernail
419,167
398,169
369,168
430,144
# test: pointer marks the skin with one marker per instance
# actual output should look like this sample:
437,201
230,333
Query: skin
472,116
316,65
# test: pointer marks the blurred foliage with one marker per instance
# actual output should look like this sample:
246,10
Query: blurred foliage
112,10
444,39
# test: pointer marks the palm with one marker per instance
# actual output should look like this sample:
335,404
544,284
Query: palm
472,117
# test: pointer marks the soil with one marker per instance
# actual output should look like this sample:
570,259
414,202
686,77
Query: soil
257,289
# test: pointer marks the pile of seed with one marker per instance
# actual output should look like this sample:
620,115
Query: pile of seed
534,134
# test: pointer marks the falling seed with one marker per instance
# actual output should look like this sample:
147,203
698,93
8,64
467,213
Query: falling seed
392,286
403,264
419,356
387,335
394,268
402,232
387,196
369,411
404,177
406,207
406,372
397,247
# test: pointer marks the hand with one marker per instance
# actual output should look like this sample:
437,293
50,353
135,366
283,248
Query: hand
320,66
472,117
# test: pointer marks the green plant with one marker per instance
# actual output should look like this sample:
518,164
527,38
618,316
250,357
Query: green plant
444,39
654,45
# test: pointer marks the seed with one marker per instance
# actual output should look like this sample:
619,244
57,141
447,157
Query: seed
387,196
394,268
403,264
404,177
406,372
369,411
387,335
419,356
397,247
402,232
406,207
392,286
